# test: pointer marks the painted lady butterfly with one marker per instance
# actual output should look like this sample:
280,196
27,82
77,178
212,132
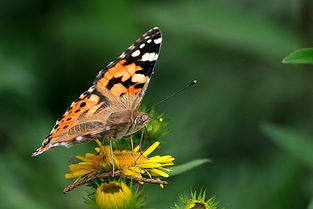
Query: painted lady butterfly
109,108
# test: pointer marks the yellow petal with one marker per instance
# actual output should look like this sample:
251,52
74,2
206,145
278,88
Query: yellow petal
81,172
131,173
69,176
87,159
160,173
90,156
158,158
166,169
151,149
137,148
127,172
135,169
151,165
81,166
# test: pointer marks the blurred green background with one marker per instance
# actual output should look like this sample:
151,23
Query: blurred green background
50,52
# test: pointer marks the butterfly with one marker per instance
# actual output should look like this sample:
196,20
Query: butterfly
109,107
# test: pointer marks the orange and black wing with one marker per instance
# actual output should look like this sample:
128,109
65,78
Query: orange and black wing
79,123
120,86
128,77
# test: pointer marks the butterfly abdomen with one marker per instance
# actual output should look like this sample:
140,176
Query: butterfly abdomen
85,127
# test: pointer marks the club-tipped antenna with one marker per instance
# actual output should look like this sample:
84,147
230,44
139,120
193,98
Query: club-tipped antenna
173,94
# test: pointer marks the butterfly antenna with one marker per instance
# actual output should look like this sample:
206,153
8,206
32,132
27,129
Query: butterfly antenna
173,94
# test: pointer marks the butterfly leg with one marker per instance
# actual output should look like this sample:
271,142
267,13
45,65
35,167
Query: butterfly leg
140,145
132,145
140,142
112,157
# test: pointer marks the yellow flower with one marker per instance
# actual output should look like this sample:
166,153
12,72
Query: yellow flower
127,162
90,165
113,195
135,164
198,204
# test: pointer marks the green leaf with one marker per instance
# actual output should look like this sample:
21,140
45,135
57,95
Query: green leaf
188,166
297,144
302,56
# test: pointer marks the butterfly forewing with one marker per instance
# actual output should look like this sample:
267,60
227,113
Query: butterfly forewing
128,77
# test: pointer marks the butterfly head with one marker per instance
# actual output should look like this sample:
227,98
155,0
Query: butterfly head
141,120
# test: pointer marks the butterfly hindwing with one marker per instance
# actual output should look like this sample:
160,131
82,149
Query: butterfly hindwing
77,121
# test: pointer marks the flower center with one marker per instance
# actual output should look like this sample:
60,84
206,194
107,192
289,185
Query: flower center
198,206
111,188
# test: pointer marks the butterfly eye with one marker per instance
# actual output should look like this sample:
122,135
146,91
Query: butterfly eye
142,119
138,120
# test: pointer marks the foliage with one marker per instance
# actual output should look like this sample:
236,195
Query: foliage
301,56
297,144
100,171
51,51
196,201
188,166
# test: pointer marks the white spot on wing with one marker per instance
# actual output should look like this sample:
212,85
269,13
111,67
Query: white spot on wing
149,41
90,89
122,55
141,46
149,56
110,64
79,138
135,53
158,41
94,98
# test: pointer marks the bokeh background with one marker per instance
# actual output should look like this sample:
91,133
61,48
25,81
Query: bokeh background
50,52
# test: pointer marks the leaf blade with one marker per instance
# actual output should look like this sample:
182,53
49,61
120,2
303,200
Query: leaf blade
179,169
297,144
301,56
311,204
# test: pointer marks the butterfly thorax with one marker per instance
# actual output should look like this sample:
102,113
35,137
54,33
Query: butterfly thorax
125,123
